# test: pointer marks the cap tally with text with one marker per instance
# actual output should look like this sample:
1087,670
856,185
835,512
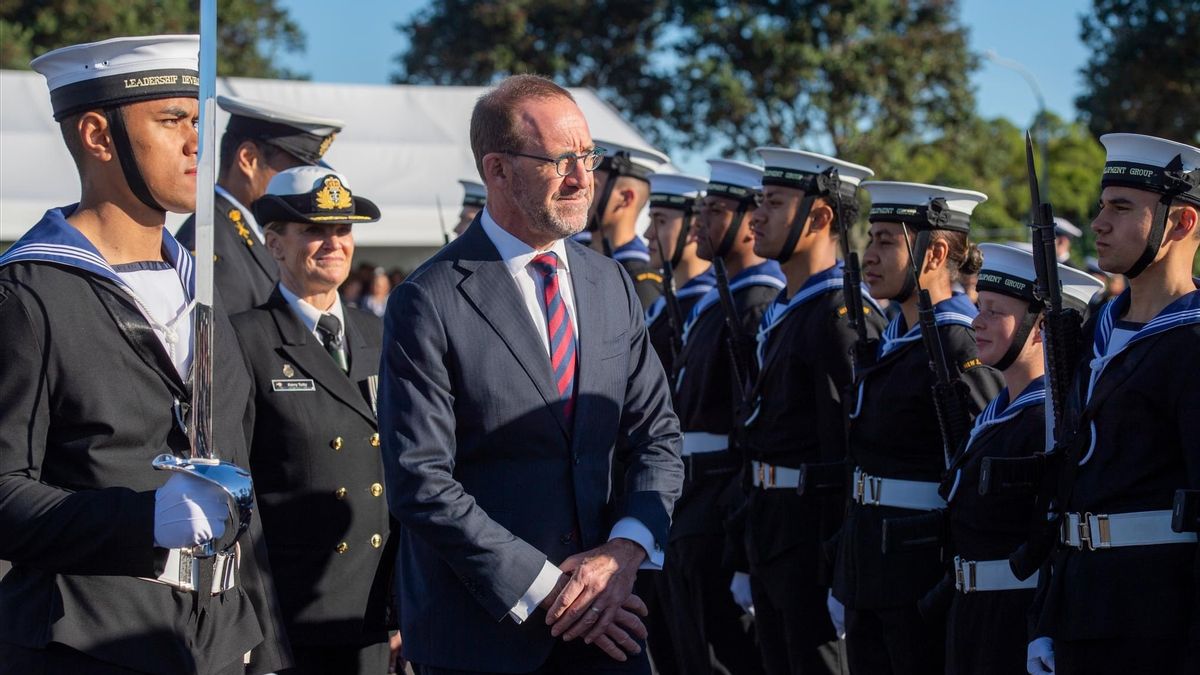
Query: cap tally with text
732,179
1009,271
312,194
1154,164
675,190
624,160
120,71
305,137
922,206
474,193
800,170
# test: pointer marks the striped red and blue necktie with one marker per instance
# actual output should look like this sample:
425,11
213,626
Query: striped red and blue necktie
562,335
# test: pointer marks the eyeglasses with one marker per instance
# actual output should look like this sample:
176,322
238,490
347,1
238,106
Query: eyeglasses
565,164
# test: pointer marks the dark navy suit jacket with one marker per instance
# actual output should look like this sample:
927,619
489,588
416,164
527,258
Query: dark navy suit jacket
482,471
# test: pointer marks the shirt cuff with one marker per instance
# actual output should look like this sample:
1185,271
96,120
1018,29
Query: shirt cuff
542,586
632,529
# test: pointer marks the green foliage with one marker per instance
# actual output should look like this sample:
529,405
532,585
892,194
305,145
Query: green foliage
1144,74
251,31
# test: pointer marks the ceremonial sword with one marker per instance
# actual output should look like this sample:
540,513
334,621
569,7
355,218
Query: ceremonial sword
203,462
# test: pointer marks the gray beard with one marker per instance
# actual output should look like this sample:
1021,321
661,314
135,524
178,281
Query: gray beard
541,218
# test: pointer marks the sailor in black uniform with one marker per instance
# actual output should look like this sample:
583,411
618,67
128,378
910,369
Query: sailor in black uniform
706,394
260,140
795,417
1123,594
96,344
986,629
895,445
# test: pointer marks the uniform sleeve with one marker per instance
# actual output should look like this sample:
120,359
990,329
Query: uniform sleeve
417,428
99,532
832,374
1187,413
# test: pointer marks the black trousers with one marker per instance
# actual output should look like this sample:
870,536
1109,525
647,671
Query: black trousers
702,611
651,587
371,659
794,637
894,642
567,658
1123,656
58,659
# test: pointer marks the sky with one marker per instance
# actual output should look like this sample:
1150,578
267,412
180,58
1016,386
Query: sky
1042,35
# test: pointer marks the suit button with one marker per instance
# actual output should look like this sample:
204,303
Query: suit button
342,547
340,493
336,444
374,440
566,538
376,541
376,489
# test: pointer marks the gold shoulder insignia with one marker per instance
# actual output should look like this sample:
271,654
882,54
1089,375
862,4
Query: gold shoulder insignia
650,276
973,363
334,195
324,147
242,230
842,311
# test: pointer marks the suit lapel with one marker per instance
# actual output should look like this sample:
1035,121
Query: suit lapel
364,361
310,356
589,310
493,293
139,335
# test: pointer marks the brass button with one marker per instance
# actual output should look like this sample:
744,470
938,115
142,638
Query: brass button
342,547
376,540
336,444
340,493
375,440
376,489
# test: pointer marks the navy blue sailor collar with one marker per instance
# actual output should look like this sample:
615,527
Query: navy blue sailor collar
635,249
766,273
955,310
698,285
999,411
54,240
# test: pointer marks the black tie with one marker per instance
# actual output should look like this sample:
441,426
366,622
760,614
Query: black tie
330,330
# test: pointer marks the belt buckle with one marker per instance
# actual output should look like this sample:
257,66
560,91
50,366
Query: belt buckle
971,576
959,581
762,478
189,570
876,485
1085,531
859,482
771,475
1102,538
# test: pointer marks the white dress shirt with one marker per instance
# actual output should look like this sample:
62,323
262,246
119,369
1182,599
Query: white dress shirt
310,315
247,214
517,255
160,295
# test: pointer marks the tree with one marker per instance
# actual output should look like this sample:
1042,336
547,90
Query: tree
1144,74
250,31
607,45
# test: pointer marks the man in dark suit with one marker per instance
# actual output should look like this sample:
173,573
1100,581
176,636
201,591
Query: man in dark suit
260,140
96,347
313,448
499,424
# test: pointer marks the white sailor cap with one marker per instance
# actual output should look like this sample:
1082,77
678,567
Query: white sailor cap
800,170
922,206
1010,271
675,190
1153,164
312,194
474,192
305,137
1064,227
120,71
732,179
624,160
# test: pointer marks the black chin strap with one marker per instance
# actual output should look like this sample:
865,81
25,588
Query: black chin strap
916,262
734,227
827,183
1028,321
689,215
1158,228
129,166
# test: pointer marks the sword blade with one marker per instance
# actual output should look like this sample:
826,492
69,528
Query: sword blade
201,427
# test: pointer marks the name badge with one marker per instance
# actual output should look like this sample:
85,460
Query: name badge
293,385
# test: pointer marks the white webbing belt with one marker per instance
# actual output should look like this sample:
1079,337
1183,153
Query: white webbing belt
699,443
182,570
904,494
971,576
1105,530
769,476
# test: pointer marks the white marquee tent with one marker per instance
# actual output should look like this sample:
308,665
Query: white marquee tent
404,147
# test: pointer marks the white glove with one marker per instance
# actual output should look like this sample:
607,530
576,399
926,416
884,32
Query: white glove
188,511
1039,657
740,587
837,613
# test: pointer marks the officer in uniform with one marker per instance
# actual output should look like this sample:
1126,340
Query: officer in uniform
986,629
707,392
795,417
96,341
1065,234
622,189
895,445
315,443
474,199
674,200
1122,596
260,140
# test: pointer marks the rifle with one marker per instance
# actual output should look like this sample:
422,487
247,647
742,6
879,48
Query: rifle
949,397
864,347
674,313
735,338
